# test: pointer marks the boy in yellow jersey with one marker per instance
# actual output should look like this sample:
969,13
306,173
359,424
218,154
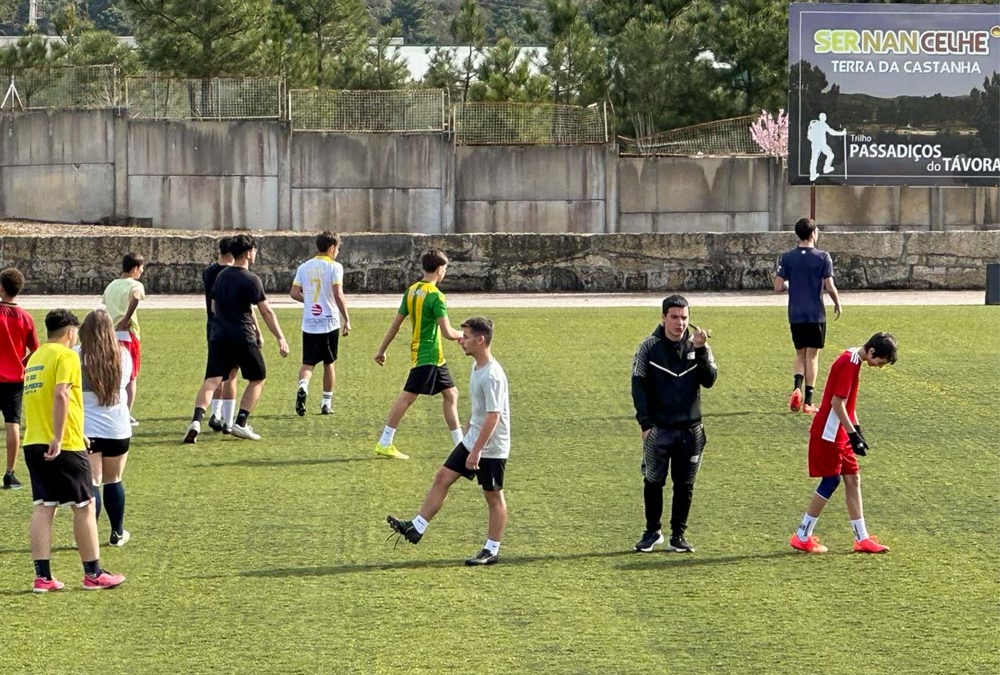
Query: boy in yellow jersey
428,312
122,297
55,453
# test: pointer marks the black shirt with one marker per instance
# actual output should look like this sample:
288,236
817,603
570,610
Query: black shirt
208,276
236,291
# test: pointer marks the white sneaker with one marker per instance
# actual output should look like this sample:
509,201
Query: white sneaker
192,433
244,432
121,540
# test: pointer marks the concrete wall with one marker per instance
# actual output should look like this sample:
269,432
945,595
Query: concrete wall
534,189
679,194
386,263
204,175
57,165
82,166
371,182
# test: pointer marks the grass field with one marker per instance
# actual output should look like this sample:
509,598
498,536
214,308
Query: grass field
271,557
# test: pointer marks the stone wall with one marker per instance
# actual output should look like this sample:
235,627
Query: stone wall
386,263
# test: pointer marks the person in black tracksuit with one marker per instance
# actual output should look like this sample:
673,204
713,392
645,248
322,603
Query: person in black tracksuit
670,368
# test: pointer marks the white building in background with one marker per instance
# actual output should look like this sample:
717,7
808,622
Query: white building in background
417,57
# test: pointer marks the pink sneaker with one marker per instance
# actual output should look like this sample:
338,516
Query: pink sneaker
103,580
43,585
869,545
810,545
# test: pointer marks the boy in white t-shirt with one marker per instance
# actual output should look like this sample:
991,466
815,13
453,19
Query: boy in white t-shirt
319,285
482,453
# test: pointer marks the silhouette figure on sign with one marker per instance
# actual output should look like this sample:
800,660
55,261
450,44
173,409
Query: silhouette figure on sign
818,130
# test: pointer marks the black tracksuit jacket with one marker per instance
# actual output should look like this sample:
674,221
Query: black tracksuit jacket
667,378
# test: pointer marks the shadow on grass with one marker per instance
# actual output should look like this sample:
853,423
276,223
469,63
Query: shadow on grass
12,592
662,559
747,413
307,461
354,568
27,551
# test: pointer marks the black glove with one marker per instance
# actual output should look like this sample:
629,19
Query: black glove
858,444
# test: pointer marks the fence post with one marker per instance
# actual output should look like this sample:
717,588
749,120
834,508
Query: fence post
120,117
610,187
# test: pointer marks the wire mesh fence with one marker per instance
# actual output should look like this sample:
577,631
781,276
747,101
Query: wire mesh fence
211,98
506,123
372,111
61,87
723,137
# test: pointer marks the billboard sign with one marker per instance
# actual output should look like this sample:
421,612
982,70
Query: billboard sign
894,94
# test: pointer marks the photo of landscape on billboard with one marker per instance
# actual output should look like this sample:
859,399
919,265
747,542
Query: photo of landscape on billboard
894,94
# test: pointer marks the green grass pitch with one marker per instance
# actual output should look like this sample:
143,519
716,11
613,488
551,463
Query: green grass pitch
271,557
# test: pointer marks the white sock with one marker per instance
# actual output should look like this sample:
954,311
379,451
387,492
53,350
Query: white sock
492,546
860,531
304,385
806,528
419,524
328,398
216,407
387,435
456,436
229,411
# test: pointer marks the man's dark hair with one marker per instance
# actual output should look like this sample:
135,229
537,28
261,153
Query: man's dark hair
326,239
12,281
884,345
57,320
804,228
432,259
241,245
132,260
225,243
480,326
674,301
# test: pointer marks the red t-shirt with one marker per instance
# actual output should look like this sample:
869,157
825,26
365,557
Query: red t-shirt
17,338
842,382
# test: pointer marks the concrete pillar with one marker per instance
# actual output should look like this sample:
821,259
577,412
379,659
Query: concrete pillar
775,195
120,157
937,210
284,176
611,188
448,187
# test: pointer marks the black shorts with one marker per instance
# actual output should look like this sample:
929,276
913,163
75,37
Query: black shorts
490,473
10,401
809,335
428,380
63,481
224,355
109,447
320,347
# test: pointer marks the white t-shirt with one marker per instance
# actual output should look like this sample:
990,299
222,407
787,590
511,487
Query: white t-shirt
110,422
488,389
317,277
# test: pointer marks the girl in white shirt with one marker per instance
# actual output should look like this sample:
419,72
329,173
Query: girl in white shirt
107,368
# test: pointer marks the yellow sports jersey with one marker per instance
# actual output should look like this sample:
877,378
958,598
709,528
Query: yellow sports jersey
53,364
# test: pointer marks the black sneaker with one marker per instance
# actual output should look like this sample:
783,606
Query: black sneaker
10,481
484,557
300,402
648,541
404,528
326,410
679,544
215,424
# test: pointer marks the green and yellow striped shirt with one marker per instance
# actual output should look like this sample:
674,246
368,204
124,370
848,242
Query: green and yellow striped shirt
425,305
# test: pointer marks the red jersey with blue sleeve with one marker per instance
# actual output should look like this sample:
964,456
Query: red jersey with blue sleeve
843,383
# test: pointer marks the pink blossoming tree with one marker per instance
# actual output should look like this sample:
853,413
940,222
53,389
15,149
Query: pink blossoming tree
771,134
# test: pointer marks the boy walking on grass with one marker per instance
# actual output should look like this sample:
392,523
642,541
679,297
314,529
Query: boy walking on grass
835,440
121,298
427,309
17,342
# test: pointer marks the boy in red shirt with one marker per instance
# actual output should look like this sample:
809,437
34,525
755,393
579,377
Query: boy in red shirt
17,342
834,441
